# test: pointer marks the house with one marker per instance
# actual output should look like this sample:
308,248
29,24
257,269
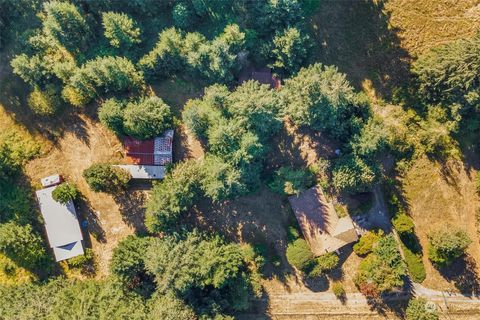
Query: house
146,159
323,230
262,75
61,223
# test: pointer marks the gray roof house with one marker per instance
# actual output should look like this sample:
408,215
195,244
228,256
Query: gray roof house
61,223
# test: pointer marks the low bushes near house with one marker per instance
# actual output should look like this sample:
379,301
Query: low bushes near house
415,266
403,223
299,255
338,290
367,242
82,261
323,264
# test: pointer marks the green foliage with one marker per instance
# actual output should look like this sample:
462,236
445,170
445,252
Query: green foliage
110,114
323,264
367,242
477,181
32,70
299,255
169,307
147,118
22,244
352,174
421,309
449,73
288,181
338,290
320,97
415,266
447,245
63,23
64,193
103,177
403,223
128,261
120,30
101,76
290,50
81,261
44,102
172,196
383,269
182,15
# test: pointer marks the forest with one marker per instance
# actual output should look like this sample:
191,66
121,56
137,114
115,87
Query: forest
218,233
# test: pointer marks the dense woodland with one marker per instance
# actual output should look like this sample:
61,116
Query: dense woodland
102,57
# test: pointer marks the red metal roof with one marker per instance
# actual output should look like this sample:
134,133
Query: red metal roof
156,151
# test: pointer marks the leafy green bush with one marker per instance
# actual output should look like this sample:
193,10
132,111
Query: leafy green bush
120,29
447,245
420,309
338,290
299,255
64,193
288,181
403,223
103,177
44,102
324,263
290,50
367,242
352,174
415,266
82,260
110,114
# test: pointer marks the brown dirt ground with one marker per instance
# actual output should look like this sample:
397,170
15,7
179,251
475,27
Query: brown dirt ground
437,196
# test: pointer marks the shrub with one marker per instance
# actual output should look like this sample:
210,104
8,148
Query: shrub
447,245
299,254
367,242
420,309
64,193
81,261
44,102
324,263
288,181
120,29
338,290
415,266
290,49
103,177
110,114
403,223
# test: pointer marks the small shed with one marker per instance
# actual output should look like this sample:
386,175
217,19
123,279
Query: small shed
144,172
61,224
323,230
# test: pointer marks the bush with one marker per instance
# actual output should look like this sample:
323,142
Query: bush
120,29
103,177
420,309
447,245
367,242
324,263
299,255
44,102
110,114
81,261
64,193
403,223
415,266
338,290
288,181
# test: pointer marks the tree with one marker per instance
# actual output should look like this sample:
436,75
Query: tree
403,224
147,118
110,114
352,174
128,263
383,269
22,244
323,264
321,98
290,50
120,30
172,196
421,309
65,193
44,102
447,244
101,76
63,23
299,255
183,16
169,307
103,177
288,181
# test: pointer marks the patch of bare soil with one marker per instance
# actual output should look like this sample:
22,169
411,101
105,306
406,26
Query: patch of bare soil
109,220
441,195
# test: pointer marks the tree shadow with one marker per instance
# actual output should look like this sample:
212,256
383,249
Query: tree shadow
131,204
89,221
356,36
317,284
463,274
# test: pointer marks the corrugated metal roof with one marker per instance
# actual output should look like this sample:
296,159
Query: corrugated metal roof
61,223
157,151
144,172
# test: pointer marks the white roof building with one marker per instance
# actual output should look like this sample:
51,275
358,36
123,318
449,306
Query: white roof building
146,172
61,223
